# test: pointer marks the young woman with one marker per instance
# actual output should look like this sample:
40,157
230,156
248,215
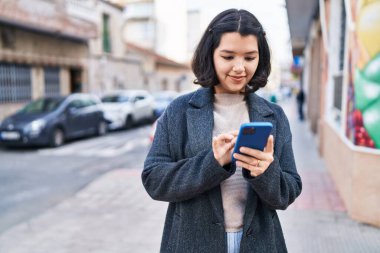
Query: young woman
216,205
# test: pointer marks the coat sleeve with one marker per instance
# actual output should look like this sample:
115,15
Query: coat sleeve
280,184
166,179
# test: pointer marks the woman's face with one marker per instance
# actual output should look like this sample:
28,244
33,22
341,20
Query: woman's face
235,61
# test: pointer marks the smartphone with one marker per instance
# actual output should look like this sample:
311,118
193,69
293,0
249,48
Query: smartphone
253,135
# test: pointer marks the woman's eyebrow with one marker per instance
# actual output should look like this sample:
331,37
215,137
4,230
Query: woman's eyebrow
227,51
232,52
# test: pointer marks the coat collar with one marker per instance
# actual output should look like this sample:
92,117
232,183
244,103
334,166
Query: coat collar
202,97
205,96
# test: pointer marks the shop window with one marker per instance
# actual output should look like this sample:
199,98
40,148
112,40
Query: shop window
338,78
52,84
15,83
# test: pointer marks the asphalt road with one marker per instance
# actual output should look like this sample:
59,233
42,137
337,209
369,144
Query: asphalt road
33,180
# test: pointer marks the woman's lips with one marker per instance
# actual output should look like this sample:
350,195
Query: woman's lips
237,78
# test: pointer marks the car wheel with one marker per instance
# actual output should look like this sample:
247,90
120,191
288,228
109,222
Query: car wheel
128,122
57,138
102,128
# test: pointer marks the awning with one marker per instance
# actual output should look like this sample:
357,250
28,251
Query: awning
300,15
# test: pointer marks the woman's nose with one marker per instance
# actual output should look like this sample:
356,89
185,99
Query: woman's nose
238,66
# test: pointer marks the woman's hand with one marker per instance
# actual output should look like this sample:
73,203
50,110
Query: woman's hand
222,146
256,161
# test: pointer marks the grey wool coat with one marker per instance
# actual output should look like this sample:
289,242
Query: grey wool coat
180,168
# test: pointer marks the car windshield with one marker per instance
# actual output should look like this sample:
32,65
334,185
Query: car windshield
42,105
115,99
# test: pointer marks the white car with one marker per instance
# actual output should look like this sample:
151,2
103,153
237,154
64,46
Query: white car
125,108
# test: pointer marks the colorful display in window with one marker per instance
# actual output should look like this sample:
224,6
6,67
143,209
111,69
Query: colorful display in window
363,104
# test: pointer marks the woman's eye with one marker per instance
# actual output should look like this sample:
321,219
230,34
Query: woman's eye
250,58
228,58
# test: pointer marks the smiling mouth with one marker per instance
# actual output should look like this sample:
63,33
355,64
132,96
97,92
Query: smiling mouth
237,78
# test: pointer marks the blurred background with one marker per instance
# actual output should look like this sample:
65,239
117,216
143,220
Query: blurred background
82,83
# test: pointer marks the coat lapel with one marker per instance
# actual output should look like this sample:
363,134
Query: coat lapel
200,120
260,111
200,123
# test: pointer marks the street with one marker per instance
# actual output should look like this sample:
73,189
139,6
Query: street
33,180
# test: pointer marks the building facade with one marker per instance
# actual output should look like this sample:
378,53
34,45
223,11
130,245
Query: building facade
57,47
43,52
160,43
109,65
158,25
341,76
161,73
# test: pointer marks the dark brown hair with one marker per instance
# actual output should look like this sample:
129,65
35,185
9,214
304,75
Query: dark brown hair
231,20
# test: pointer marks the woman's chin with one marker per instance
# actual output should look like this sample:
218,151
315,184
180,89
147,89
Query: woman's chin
237,88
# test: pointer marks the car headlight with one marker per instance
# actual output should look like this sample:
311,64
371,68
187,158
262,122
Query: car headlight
35,127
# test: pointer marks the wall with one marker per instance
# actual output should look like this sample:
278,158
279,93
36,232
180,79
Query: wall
44,49
106,74
8,109
313,80
174,76
356,175
349,143
171,16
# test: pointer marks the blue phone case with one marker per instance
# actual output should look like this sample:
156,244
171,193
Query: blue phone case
253,135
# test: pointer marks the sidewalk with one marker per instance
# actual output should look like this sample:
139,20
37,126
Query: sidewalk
317,221
115,215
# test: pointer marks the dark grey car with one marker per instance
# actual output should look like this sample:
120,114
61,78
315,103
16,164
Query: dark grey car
51,121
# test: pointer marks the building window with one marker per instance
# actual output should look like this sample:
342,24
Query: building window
338,79
15,83
164,84
193,29
342,36
106,34
52,84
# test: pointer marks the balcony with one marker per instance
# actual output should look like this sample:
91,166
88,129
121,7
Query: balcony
139,10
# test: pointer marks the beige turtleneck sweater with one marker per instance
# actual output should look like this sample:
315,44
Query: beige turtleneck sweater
230,111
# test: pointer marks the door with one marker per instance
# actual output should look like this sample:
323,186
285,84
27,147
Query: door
76,83
76,122
142,107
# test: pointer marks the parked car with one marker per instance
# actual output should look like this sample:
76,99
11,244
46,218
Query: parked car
52,121
125,108
162,100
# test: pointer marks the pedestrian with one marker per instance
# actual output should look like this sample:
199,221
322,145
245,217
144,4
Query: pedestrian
216,205
300,101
